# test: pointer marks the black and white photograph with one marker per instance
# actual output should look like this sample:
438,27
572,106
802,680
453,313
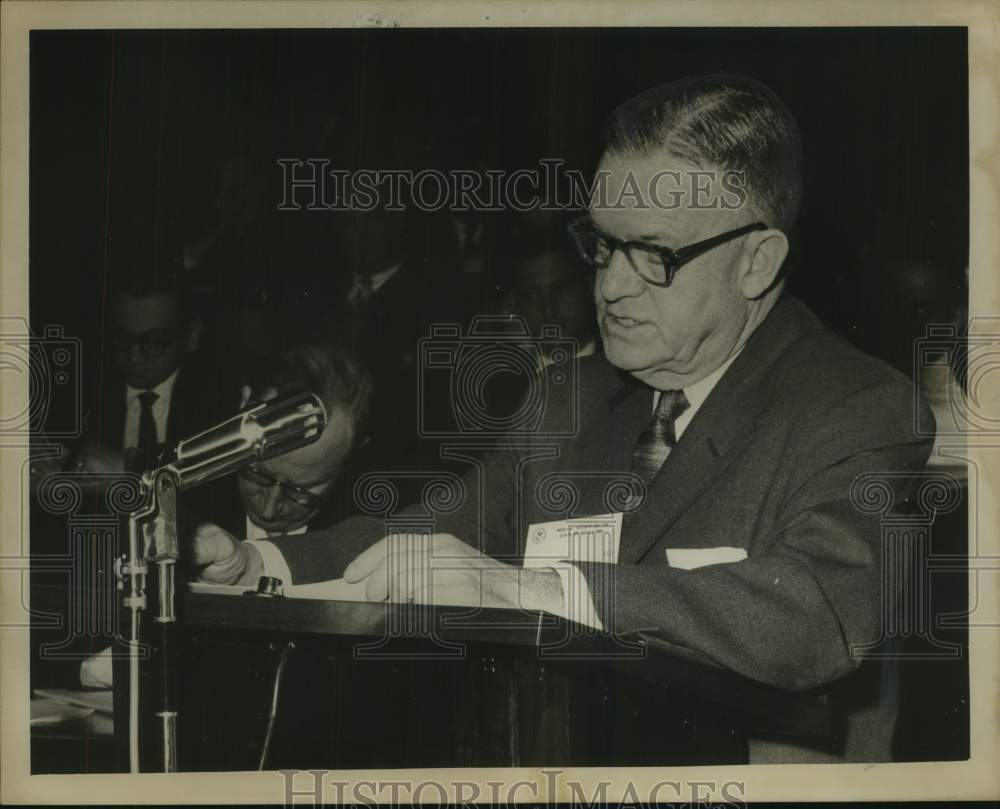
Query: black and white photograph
510,394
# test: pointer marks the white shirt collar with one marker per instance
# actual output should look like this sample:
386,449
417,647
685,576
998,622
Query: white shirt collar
696,395
379,279
163,391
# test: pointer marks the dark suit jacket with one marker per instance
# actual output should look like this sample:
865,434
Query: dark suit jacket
386,334
767,465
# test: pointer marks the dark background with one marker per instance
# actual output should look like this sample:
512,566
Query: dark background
132,123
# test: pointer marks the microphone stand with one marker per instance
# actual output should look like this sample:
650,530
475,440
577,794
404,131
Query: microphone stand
146,569
154,551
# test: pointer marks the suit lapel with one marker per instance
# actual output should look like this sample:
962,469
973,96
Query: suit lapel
708,446
613,433
603,452
720,429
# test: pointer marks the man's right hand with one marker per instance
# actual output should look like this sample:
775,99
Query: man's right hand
223,559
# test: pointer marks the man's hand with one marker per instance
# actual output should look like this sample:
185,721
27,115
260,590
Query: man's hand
441,569
224,559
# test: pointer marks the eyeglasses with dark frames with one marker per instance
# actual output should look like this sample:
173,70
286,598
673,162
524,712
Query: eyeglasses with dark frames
653,263
298,495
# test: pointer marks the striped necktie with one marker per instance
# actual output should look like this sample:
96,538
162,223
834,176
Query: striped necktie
658,438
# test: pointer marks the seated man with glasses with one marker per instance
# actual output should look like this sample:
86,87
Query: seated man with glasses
299,491
154,388
745,429
291,493
153,331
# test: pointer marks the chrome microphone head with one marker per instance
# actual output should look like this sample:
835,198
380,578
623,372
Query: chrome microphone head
262,431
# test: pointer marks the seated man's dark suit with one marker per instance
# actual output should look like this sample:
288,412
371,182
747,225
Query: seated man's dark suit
767,464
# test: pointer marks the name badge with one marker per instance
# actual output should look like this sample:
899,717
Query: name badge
582,539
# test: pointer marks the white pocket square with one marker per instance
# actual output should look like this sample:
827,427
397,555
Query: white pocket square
690,558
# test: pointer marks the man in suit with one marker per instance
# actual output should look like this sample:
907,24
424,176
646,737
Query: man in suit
310,487
739,422
158,390
305,489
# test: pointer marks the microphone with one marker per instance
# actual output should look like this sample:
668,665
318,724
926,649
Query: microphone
267,429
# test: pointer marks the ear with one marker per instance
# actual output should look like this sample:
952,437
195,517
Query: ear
193,334
763,256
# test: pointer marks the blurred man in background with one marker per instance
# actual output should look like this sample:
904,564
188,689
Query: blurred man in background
550,286
151,388
150,405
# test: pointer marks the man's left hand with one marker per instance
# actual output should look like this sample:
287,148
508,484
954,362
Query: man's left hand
441,569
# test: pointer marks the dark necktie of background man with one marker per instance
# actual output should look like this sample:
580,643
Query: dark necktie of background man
147,444
658,438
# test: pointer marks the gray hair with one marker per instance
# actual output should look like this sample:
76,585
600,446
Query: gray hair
329,371
721,121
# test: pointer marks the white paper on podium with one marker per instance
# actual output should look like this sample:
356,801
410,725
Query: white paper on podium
333,590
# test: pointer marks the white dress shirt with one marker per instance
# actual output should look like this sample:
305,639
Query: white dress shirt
161,410
696,394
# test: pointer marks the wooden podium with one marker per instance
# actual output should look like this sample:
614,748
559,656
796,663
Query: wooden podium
393,686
